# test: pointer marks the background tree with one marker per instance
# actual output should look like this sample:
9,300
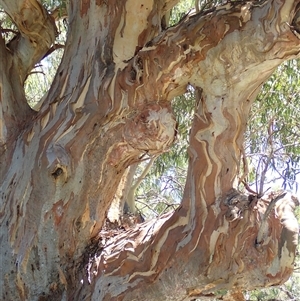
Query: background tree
108,108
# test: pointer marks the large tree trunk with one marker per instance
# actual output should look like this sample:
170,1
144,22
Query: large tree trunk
109,105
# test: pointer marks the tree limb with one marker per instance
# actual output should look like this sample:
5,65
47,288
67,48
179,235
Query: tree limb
191,50
262,234
37,33
131,193
14,110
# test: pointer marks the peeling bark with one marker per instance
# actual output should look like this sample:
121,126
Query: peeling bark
108,106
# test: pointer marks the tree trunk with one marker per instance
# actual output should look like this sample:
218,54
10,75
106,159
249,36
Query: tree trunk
109,105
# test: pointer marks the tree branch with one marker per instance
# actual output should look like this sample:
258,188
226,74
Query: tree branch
263,231
14,110
37,33
188,242
169,78
53,48
131,193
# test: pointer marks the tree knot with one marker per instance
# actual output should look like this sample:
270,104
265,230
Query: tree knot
237,203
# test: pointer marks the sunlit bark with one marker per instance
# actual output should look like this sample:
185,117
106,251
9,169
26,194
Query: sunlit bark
108,106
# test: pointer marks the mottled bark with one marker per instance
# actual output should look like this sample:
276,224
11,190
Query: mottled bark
36,34
108,106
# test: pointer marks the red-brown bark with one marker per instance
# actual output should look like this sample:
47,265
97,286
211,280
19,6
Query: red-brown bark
109,105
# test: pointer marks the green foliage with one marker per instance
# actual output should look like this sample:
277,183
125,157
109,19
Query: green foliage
180,10
39,80
186,6
52,4
8,28
272,139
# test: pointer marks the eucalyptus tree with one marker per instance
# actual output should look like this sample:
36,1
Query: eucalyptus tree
108,107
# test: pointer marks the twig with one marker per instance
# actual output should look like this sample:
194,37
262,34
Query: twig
7,30
52,49
245,167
